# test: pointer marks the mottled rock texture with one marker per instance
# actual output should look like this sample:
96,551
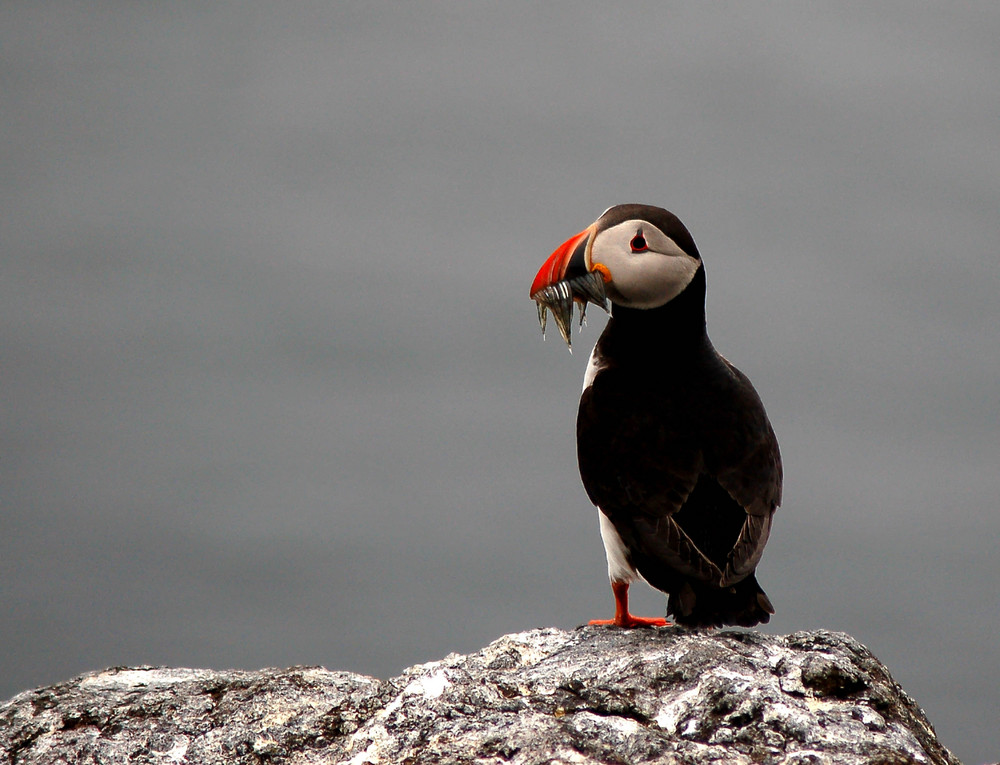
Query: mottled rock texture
595,695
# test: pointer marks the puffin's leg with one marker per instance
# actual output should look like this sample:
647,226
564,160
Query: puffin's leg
622,617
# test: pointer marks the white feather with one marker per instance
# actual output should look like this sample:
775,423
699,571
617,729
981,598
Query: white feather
619,569
593,367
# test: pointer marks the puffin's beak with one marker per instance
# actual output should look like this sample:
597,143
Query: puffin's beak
564,279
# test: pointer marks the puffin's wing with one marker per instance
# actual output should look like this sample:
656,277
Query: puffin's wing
748,467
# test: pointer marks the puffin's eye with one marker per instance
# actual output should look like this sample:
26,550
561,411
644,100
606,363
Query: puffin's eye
638,243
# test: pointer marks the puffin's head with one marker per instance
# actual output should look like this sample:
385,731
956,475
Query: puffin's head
636,256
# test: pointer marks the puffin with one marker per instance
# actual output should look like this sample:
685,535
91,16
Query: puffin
673,443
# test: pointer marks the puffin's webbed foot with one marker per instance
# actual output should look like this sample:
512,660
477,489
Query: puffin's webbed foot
622,617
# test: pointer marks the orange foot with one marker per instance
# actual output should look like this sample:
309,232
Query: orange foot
622,617
630,621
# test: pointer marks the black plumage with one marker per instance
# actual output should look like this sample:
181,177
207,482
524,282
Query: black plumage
669,434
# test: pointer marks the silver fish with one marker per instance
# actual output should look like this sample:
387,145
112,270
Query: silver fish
560,297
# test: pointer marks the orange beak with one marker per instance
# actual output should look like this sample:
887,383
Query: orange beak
565,279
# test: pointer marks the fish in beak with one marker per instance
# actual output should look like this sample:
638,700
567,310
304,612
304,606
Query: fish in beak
564,279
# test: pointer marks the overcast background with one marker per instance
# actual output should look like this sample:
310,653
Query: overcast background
273,391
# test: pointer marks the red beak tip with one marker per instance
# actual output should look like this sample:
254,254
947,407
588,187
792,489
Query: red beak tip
554,268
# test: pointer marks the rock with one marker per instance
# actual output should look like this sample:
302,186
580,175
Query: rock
595,695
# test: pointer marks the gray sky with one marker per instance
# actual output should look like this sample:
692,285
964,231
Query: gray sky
273,389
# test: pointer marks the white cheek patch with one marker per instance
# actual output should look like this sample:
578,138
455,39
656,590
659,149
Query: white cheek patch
650,279
646,279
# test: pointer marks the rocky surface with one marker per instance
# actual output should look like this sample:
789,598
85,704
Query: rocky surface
595,695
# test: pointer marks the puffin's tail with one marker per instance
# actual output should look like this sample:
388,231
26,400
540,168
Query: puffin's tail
700,604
